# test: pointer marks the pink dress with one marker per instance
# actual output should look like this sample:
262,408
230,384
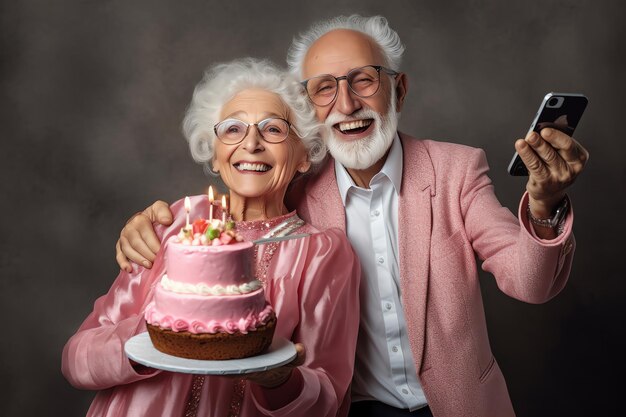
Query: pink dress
313,284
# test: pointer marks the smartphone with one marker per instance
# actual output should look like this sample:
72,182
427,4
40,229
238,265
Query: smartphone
560,111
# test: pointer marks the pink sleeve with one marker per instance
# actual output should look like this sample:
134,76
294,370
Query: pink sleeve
328,328
94,358
525,267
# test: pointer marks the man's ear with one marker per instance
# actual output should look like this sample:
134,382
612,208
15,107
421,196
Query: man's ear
402,86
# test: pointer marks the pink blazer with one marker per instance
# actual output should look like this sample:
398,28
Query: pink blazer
449,214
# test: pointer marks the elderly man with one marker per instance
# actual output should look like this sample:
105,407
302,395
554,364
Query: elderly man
418,213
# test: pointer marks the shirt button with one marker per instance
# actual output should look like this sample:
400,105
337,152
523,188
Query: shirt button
405,391
375,213
381,260
388,306
394,349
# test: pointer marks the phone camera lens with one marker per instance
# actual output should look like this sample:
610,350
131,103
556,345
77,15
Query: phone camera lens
553,102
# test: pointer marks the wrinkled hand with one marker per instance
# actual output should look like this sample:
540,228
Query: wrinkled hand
554,161
278,376
138,242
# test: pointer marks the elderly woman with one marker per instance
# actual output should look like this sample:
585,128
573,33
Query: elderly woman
252,124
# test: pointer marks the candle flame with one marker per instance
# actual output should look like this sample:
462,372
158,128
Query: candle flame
211,197
187,204
224,202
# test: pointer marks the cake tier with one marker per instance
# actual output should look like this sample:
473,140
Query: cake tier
208,314
210,265
219,346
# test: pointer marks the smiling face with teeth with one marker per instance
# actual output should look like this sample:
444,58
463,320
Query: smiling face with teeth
258,172
354,118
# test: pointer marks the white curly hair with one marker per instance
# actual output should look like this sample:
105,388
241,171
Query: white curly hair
376,27
223,81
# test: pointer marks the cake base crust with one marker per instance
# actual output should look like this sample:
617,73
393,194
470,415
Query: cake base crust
207,346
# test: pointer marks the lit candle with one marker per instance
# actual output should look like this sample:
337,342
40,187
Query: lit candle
187,208
211,198
223,209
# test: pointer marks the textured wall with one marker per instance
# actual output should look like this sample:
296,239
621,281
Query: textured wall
93,93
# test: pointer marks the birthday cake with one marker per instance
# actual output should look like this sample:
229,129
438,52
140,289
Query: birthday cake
209,305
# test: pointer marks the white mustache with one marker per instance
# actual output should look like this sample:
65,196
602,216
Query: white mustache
335,118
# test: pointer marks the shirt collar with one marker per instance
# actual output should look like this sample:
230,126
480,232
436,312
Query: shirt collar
392,169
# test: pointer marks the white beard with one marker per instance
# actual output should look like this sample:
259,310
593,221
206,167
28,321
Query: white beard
365,152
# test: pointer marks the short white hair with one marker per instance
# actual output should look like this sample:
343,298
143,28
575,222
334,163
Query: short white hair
376,27
222,82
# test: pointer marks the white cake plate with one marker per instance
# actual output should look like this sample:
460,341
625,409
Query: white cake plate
140,349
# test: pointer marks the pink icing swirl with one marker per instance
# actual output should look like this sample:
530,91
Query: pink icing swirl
165,322
180,325
242,326
213,326
230,327
197,327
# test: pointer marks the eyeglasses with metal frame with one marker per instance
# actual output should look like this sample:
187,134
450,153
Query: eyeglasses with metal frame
233,131
363,82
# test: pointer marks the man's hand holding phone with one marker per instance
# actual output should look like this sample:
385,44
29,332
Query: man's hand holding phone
553,160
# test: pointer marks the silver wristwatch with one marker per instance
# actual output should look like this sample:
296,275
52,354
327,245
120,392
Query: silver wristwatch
555,220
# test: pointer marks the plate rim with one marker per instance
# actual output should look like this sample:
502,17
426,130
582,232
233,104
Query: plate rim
282,348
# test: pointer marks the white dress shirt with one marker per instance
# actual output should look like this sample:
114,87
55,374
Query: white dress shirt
384,368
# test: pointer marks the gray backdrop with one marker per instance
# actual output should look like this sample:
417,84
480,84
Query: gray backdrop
93,93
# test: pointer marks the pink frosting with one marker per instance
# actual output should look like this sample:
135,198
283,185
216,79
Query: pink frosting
211,265
223,265
243,325
208,314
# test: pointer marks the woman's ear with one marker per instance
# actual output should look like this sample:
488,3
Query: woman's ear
304,166
215,166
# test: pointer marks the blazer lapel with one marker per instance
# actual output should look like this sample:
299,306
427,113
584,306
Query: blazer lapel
323,206
418,187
